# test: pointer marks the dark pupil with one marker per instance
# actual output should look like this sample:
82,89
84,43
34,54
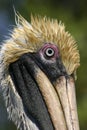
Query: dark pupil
50,51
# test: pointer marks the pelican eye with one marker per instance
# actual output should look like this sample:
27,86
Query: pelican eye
49,52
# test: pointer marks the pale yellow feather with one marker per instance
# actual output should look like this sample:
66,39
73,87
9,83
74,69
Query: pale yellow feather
29,37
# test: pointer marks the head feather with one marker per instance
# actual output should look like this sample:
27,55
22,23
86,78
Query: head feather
29,37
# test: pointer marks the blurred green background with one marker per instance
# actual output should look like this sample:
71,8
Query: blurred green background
74,15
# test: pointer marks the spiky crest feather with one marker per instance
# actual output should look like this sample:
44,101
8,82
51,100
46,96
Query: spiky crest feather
28,37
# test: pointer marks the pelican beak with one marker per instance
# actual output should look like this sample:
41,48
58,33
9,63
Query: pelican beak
66,91
58,96
60,99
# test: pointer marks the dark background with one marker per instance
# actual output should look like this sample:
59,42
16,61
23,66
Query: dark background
74,15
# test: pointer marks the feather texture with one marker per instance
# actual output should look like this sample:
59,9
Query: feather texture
29,37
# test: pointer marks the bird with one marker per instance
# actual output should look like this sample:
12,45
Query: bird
38,64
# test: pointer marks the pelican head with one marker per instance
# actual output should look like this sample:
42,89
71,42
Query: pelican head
38,66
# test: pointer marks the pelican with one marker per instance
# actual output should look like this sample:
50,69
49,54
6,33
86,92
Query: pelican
38,66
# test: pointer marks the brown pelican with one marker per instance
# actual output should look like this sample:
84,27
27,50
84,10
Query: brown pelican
38,66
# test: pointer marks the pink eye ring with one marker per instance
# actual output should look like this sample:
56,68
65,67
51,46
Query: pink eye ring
49,51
